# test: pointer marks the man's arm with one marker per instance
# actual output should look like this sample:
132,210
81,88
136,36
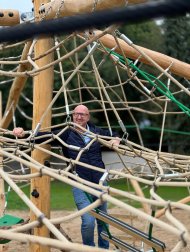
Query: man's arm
104,132
42,136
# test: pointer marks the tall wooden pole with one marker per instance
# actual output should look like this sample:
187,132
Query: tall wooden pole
42,95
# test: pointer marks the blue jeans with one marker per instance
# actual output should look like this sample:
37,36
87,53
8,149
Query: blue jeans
88,221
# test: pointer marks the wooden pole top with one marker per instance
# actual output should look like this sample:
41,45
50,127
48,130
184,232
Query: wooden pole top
73,7
9,17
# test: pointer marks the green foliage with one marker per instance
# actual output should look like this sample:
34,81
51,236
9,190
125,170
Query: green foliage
4,55
176,33
14,54
177,37
146,34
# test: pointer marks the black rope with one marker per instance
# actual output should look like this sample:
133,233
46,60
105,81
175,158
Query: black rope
129,14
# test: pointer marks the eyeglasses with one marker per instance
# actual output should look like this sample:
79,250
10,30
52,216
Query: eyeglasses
79,114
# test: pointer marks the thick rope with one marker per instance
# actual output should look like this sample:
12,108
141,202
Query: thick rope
130,14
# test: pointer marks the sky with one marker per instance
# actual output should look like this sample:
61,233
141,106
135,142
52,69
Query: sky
20,5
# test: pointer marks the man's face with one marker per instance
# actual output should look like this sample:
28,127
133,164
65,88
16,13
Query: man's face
81,116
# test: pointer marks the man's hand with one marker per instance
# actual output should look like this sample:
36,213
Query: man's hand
18,132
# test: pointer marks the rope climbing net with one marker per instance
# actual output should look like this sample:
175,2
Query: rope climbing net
79,69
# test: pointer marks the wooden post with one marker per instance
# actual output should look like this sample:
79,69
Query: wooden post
42,95
9,17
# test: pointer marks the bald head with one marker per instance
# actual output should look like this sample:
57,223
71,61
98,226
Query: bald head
81,108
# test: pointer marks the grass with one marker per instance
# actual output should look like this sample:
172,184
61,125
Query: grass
62,198
167,193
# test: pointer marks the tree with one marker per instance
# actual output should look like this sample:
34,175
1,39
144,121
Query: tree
177,37
176,33
146,34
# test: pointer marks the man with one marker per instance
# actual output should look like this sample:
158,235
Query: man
92,156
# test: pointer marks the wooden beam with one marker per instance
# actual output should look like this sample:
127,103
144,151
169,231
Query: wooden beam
131,2
140,193
9,17
177,67
161,212
16,89
42,96
73,7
